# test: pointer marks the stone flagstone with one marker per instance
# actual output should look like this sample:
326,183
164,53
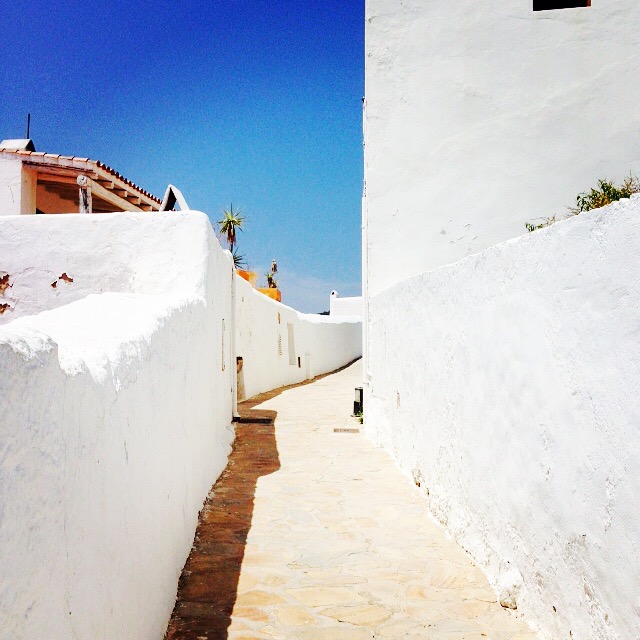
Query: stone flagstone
312,534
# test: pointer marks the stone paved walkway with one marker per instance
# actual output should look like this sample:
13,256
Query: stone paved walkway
315,535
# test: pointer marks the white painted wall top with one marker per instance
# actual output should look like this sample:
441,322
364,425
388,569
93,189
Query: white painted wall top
117,252
481,116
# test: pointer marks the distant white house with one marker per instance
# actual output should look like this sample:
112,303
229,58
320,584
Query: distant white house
351,307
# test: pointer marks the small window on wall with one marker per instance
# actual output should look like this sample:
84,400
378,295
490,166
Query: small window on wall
550,5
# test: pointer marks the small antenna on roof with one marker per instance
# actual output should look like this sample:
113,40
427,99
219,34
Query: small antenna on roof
28,125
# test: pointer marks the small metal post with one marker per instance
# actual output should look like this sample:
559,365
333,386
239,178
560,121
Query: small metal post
85,194
358,402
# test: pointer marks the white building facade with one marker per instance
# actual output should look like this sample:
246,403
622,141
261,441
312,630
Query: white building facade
351,306
482,116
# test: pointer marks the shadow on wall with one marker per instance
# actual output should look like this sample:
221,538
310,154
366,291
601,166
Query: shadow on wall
208,585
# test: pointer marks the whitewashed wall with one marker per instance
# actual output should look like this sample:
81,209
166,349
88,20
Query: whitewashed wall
481,116
116,396
114,418
507,385
263,327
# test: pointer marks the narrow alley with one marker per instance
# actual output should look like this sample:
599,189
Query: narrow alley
312,533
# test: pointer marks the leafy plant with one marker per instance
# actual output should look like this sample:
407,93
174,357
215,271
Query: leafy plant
271,281
230,224
606,193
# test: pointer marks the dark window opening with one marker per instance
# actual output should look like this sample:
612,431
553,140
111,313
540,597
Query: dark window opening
549,5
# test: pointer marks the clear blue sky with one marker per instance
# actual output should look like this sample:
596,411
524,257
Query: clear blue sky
252,102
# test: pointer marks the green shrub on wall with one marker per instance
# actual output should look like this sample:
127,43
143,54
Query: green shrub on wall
606,193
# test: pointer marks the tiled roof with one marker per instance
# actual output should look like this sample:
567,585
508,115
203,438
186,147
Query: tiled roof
74,162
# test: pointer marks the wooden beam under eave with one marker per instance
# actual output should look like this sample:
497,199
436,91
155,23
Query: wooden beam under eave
55,175
112,198
49,176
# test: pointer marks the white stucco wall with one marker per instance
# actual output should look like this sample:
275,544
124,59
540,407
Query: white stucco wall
17,187
351,307
323,344
114,419
116,396
482,116
506,384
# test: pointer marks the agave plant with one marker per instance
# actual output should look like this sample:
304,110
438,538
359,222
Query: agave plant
230,224
239,261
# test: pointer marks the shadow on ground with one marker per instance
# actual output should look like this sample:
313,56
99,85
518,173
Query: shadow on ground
209,582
